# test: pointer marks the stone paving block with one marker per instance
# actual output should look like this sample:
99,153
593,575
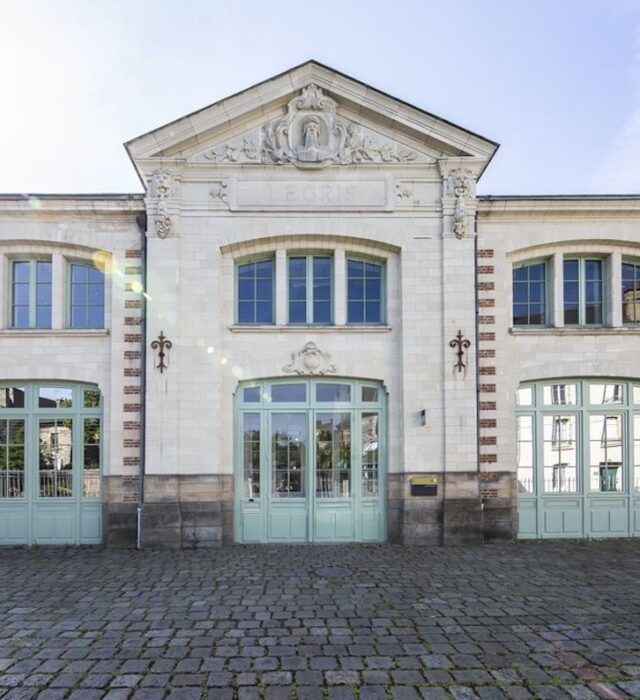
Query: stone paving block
580,692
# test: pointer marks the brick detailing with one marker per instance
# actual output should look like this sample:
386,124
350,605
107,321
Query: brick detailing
132,304
128,390
133,253
131,407
130,442
131,371
130,461
131,337
487,440
130,425
487,421
132,270
131,321
132,354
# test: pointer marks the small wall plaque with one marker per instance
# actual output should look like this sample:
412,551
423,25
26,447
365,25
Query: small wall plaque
424,486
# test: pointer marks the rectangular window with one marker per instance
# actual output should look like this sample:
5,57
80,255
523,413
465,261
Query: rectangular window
631,292
310,283
529,294
583,292
31,294
251,452
524,457
255,292
364,292
86,296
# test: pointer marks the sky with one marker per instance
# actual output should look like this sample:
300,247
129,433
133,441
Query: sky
555,82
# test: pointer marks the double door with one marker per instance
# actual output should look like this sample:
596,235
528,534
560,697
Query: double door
312,474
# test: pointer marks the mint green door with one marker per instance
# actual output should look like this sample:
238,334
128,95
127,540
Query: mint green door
310,462
50,455
578,459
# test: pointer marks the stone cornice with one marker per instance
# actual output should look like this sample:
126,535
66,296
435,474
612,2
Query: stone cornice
573,205
38,204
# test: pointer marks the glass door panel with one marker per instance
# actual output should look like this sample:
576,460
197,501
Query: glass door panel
55,458
12,458
560,444
333,455
251,454
605,453
288,446
369,454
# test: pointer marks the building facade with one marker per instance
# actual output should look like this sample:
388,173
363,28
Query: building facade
311,329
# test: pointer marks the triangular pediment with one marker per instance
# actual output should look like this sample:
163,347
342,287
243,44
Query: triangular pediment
310,117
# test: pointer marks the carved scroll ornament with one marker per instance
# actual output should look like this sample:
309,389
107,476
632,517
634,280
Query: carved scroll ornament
310,360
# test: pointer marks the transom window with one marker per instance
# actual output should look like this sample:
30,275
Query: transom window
310,284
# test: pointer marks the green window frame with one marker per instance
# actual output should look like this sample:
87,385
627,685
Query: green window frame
86,295
578,436
310,289
584,291
365,284
530,293
255,292
56,430
31,293
631,292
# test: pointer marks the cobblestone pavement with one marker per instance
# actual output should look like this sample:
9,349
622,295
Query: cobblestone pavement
545,620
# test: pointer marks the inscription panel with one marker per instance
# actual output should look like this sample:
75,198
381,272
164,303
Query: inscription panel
309,195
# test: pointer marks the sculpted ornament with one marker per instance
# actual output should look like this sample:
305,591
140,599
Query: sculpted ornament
460,185
311,135
310,360
160,189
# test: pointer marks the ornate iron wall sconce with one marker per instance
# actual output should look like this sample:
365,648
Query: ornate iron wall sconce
461,344
161,345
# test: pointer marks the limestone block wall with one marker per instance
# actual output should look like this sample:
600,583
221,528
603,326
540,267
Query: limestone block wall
102,230
511,230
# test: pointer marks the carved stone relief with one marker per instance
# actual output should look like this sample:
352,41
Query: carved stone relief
160,188
310,360
460,184
311,135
